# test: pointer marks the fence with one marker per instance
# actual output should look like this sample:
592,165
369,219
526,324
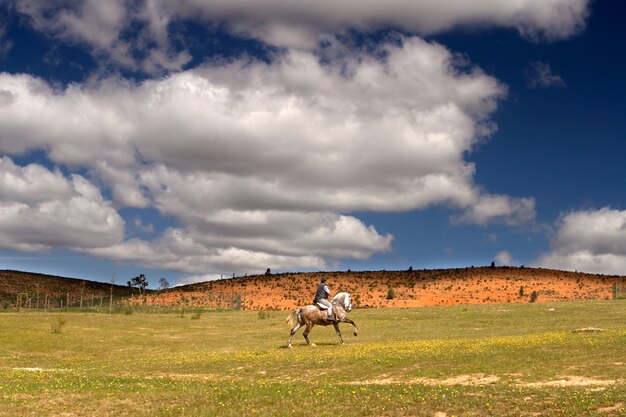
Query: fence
619,291
43,301
99,301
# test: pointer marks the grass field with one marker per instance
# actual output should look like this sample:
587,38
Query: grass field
488,360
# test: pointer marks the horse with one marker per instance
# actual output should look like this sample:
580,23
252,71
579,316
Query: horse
311,315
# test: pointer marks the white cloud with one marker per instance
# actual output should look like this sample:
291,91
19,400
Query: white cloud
499,208
280,21
5,44
256,161
141,227
275,240
41,209
177,251
104,25
360,133
590,241
539,75
504,258
192,279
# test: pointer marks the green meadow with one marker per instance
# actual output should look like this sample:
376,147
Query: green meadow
480,360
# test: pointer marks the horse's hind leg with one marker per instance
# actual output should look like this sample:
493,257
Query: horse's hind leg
306,335
336,325
293,331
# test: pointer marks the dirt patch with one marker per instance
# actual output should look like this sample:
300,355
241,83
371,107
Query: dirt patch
589,330
574,381
468,380
40,370
471,380
617,407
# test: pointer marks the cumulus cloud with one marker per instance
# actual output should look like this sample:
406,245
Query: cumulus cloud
590,241
104,26
504,258
361,133
499,208
257,161
274,245
539,75
42,209
280,21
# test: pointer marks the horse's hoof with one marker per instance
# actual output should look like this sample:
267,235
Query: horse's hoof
289,346
356,334
312,344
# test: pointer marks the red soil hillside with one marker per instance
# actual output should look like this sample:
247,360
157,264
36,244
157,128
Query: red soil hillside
410,288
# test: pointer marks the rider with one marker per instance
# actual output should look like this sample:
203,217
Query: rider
321,297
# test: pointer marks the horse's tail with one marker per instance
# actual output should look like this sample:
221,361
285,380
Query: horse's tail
292,316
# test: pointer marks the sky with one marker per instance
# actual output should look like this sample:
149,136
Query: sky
198,139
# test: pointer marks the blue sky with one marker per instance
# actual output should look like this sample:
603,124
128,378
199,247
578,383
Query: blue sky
198,139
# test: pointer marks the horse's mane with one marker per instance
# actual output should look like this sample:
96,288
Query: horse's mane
341,298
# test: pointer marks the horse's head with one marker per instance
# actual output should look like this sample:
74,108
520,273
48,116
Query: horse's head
344,300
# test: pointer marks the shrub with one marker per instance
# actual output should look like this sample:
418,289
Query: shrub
56,327
533,296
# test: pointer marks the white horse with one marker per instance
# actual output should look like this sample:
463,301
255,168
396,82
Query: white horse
311,315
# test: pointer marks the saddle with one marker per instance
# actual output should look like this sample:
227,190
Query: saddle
325,308
321,306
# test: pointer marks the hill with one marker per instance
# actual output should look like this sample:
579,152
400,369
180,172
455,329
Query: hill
375,289
411,288
40,291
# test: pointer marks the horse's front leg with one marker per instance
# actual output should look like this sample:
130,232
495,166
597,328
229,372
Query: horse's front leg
336,325
293,331
347,320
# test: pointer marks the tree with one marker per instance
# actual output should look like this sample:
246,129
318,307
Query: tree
521,291
163,284
493,264
533,296
391,293
268,272
140,282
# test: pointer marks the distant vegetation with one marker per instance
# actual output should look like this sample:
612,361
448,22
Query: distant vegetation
284,291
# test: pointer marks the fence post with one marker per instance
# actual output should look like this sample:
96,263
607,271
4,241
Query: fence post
615,290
